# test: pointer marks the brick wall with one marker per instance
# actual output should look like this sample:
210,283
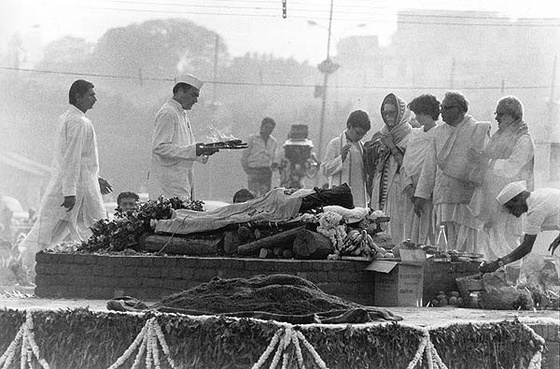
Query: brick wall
153,277
441,276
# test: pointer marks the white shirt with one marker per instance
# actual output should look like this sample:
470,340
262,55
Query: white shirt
173,153
543,212
75,171
351,171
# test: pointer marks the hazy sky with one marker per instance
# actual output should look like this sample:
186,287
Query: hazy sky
246,25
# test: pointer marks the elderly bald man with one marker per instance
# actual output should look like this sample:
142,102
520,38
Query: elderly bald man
543,214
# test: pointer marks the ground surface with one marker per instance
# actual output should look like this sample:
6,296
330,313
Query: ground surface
426,317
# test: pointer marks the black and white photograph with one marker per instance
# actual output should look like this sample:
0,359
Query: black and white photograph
280,184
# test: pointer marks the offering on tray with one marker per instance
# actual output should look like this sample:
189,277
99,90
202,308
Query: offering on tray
227,145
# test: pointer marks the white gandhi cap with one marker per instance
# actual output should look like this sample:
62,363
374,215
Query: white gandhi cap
510,191
189,80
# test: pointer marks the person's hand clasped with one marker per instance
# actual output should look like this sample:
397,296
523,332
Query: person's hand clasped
387,140
69,202
104,186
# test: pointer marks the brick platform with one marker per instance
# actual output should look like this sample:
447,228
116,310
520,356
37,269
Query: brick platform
441,276
153,277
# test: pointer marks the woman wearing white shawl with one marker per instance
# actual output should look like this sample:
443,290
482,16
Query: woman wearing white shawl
384,158
418,229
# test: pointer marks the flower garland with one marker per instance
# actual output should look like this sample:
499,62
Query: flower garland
536,360
426,347
283,338
331,226
29,347
147,342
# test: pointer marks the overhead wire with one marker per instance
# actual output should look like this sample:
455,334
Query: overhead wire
498,22
406,12
484,15
270,84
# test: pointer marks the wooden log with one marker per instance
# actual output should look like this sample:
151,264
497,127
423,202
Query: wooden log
231,242
179,245
283,239
312,245
264,253
287,254
244,234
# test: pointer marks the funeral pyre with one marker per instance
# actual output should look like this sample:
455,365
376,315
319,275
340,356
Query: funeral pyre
319,232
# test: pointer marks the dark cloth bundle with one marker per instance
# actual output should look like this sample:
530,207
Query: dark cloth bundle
338,195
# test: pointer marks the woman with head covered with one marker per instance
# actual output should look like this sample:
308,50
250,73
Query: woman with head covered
384,159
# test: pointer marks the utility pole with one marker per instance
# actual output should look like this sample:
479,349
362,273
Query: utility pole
552,101
326,67
215,68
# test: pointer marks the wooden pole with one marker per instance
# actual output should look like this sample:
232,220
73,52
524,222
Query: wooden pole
179,245
283,239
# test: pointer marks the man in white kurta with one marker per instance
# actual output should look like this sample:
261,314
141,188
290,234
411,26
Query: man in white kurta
448,174
73,200
344,161
174,149
508,157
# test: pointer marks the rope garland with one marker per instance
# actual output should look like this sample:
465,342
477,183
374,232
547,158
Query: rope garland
28,349
284,337
147,342
151,335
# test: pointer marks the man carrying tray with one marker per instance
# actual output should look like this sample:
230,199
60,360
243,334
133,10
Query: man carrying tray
174,149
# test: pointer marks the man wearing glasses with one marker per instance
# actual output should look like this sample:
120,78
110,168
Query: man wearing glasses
509,157
450,175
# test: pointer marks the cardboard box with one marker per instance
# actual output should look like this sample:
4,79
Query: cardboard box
399,283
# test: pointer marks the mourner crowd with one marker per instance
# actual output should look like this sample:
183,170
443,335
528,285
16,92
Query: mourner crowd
422,173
